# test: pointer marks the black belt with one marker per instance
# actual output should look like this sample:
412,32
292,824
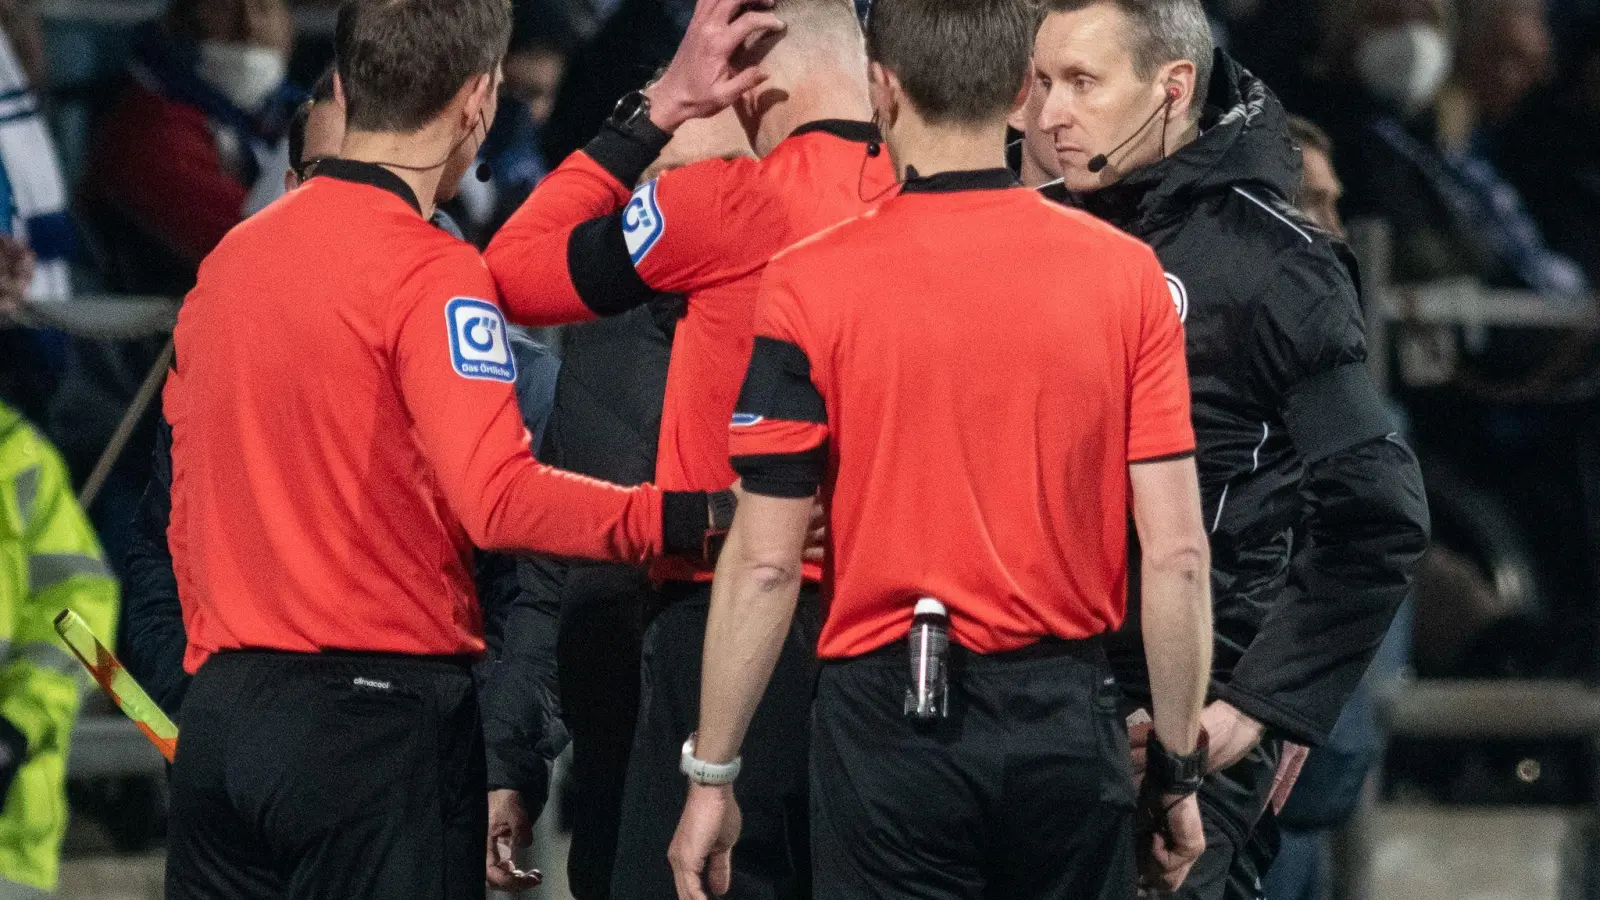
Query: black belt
457,660
1090,648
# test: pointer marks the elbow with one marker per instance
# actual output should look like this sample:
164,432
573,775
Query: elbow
1186,557
772,576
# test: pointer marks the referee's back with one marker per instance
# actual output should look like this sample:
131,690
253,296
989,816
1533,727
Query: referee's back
981,397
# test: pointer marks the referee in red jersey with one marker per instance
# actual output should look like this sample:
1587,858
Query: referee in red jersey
344,432
586,243
982,384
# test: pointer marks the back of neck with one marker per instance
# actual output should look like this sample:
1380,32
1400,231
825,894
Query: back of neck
821,95
932,149
413,158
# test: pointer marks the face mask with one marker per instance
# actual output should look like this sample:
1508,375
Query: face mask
245,74
1405,66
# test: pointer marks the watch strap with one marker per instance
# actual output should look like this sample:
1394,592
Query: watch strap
707,773
1176,775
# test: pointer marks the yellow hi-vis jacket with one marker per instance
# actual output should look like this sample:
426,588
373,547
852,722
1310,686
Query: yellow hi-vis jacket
49,560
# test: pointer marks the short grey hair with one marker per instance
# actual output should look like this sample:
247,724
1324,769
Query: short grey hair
1161,32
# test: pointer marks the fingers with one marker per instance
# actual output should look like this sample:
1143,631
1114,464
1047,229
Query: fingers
720,874
748,80
687,879
748,26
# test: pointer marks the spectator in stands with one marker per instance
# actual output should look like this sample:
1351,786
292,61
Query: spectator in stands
33,203
1551,152
202,109
1320,188
634,42
1418,136
49,561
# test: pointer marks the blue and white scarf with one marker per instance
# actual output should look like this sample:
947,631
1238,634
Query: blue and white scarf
36,210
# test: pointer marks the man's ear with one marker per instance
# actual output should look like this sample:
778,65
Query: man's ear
1018,117
1180,75
886,93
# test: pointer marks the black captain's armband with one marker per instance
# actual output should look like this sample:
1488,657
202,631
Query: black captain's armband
1332,412
778,387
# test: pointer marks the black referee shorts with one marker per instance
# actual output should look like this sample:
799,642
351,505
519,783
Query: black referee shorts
1023,793
330,776
772,859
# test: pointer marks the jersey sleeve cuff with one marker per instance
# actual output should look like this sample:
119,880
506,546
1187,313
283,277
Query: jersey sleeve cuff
627,156
1162,457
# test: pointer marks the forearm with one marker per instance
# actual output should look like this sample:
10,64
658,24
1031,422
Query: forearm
752,606
1368,528
544,257
1176,620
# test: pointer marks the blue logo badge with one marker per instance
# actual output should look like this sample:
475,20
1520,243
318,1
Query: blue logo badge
479,347
642,223
745,420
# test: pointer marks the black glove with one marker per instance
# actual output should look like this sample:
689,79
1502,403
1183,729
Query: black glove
694,523
13,752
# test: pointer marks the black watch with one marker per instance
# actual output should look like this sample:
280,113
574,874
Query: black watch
1173,775
633,107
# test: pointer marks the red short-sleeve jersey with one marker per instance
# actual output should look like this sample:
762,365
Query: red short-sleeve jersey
968,371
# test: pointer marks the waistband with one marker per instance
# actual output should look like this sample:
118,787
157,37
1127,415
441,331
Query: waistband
1089,649
332,656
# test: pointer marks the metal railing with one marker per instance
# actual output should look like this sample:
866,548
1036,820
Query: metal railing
1458,709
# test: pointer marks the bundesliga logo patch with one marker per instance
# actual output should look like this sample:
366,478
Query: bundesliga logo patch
1180,296
745,420
479,346
642,223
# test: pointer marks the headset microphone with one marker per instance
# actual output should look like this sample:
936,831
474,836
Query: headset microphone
1099,163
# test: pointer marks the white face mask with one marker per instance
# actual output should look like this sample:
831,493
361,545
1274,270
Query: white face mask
246,74
1405,66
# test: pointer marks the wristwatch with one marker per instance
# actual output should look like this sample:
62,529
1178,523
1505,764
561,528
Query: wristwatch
631,116
720,507
1174,775
707,773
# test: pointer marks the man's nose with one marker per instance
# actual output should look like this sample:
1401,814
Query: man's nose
1055,112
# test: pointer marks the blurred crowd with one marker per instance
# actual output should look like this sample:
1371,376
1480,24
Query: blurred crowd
1470,127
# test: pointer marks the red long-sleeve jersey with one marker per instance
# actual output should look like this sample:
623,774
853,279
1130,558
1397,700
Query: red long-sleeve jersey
345,430
586,245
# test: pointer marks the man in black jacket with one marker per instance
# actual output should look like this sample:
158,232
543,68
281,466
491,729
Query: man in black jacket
1315,507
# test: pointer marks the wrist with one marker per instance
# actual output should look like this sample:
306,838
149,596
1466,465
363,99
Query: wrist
668,111
719,770
1172,774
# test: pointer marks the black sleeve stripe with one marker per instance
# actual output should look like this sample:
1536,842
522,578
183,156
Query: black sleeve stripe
1170,457
602,269
1341,408
778,385
788,475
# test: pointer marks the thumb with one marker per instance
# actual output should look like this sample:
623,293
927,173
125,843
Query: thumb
719,874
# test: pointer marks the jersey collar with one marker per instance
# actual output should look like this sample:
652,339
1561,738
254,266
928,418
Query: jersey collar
847,129
369,174
967,180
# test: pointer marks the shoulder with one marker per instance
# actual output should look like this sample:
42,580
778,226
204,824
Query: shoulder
24,448
1089,234
805,254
